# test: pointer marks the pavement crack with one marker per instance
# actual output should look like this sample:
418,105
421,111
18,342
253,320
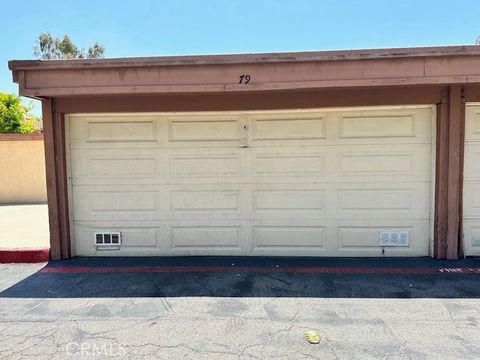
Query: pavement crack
332,346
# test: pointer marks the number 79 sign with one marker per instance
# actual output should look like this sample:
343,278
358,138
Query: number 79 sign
244,79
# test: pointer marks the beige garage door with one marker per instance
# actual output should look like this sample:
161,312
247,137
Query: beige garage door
327,182
471,188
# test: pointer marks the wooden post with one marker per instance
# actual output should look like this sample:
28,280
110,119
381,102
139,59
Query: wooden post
55,166
441,177
62,185
449,174
455,173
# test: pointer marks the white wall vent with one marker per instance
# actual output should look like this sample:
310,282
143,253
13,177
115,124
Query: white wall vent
108,240
394,238
476,240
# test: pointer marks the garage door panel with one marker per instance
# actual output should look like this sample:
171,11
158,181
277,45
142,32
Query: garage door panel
399,126
283,237
121,130
123,201
198,237
472,123
375,199
149,166
367,163
270,238
310,251
289,126
120,203
160,202
362,238
370,126
363,163
471,235
142,237
204,237
204,128
123,167
471,202
114,166
289,237
293,164
206,203
253,183
339,127
113,130
472,162
371,161
471,181
382,201
163,238
205,165
158,131
348,201
289,200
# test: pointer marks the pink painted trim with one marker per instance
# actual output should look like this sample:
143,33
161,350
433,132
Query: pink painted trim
259,269
24,255
22,137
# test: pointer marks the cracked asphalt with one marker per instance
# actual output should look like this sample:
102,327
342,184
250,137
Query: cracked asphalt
236,315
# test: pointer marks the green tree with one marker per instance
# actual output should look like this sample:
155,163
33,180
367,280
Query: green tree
14,116
50,47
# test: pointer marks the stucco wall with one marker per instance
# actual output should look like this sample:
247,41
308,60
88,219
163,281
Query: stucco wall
22,169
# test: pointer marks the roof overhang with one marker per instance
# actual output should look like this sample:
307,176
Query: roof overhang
267,72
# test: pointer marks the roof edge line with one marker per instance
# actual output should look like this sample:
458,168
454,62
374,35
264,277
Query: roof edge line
248,58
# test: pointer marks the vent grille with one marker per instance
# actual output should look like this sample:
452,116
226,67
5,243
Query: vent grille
109,239
394,238
476,240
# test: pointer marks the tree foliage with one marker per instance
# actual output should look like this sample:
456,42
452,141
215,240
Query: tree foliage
14,116
50,47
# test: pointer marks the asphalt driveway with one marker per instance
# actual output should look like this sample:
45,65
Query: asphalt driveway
240,308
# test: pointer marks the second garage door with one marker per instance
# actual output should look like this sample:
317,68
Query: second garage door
325,182
471,178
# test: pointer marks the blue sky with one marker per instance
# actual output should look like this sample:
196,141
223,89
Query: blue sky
169,27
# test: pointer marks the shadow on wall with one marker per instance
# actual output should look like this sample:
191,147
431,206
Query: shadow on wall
251,277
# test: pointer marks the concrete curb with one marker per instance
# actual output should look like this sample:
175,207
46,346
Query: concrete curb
24,255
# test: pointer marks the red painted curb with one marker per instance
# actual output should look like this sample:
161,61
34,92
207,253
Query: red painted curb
259,269
24,255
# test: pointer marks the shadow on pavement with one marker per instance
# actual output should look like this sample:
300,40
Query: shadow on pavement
251,277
